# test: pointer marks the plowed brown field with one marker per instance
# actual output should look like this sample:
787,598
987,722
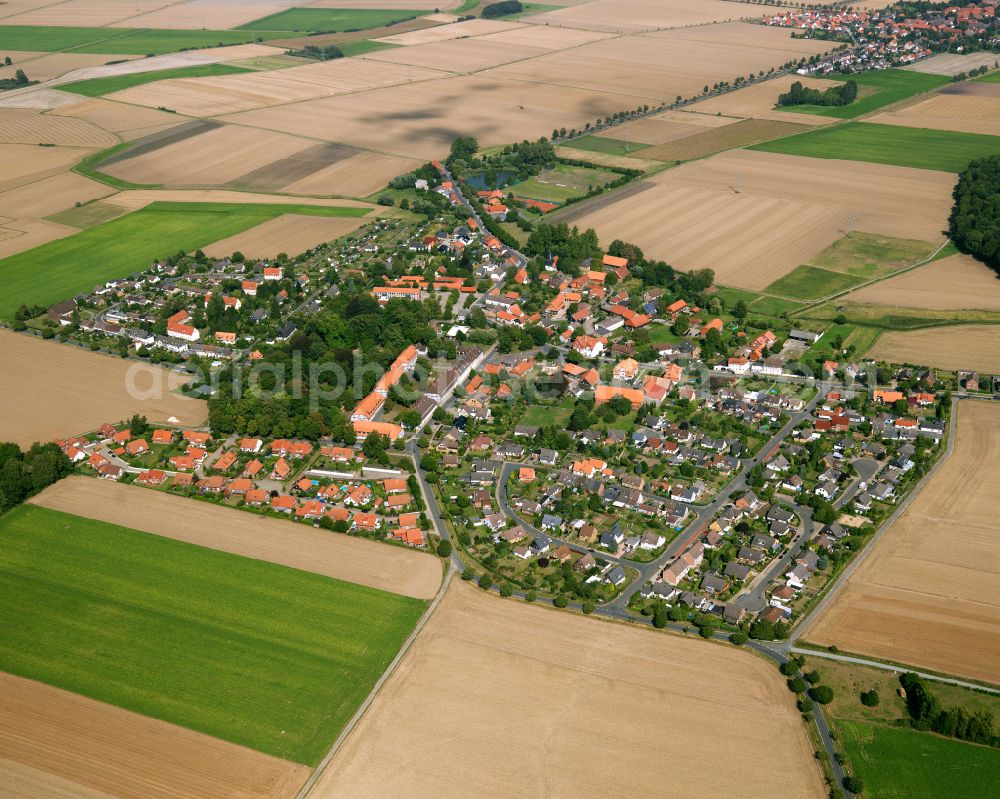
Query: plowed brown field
956,283
357,560
753,217
59,745
954,347
504,699
929,593
61,390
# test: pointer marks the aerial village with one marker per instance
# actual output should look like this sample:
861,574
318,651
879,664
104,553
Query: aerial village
580,433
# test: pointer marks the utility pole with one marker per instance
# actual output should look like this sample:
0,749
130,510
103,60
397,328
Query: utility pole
738,180
852,218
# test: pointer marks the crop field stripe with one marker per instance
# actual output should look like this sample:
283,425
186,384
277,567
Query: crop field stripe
920,148
332,20
97,87
65,267
252,652
896,762
811,283
126,41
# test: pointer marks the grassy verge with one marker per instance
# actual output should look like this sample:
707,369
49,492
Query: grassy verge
897,762
255,653
885,88
889,317
96,87
889,144
63,268
89,167
600,144
331,20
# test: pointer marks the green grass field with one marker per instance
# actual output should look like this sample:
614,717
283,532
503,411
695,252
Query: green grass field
811,283
774,306
563,183
993,77
362,46
331,20
125,41
889,144
900,762
88,215
869,256
96,87
599,144
255,653
885,86
60,269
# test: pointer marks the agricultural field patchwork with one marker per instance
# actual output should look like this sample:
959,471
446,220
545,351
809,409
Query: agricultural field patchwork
97,87
876,90
255,653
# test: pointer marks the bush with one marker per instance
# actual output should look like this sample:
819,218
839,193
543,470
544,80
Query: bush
589,607
531,596
506,589
870,698
797,685
822,694
788,668
660,618
560,602
485,581
739,638
854,784
812,677
444,549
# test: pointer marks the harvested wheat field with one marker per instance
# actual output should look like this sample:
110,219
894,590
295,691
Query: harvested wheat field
358,175
135,199
706,142
743,34
393,5
757,101
605,159
62,390
289,233
228,94
22,126
457,55
787,209
645,67
967,113
929,593
357,560
212,157
28,163
545,37
55,65
955,347
955,283
458,30
421,119
61,745
631,16
666,127
209,14
953,63
128,121
518,692
86,13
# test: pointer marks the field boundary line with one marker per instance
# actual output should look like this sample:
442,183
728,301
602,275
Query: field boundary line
890,667
320,769
849,570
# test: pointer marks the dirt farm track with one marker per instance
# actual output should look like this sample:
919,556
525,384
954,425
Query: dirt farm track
505,699
61,390
929,594
402,571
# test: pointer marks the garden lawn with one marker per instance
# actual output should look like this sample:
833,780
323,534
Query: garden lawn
63,268
599,144
562,183
812,283
96,87
885,86
126,41
900,762
945,150
331,20
258,654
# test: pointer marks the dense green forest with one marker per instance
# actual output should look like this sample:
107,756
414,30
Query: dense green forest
23,474
974,225
798,94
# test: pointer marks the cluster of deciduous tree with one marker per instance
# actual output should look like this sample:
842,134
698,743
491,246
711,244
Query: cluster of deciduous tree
798,94
957,722
571,244
23,474
502,9
974,224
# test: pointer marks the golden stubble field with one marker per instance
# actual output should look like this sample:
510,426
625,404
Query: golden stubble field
56,390
929,593
289,233
955,283
61,745
972,111
753,217
630,16
952,347
389,568
503,699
